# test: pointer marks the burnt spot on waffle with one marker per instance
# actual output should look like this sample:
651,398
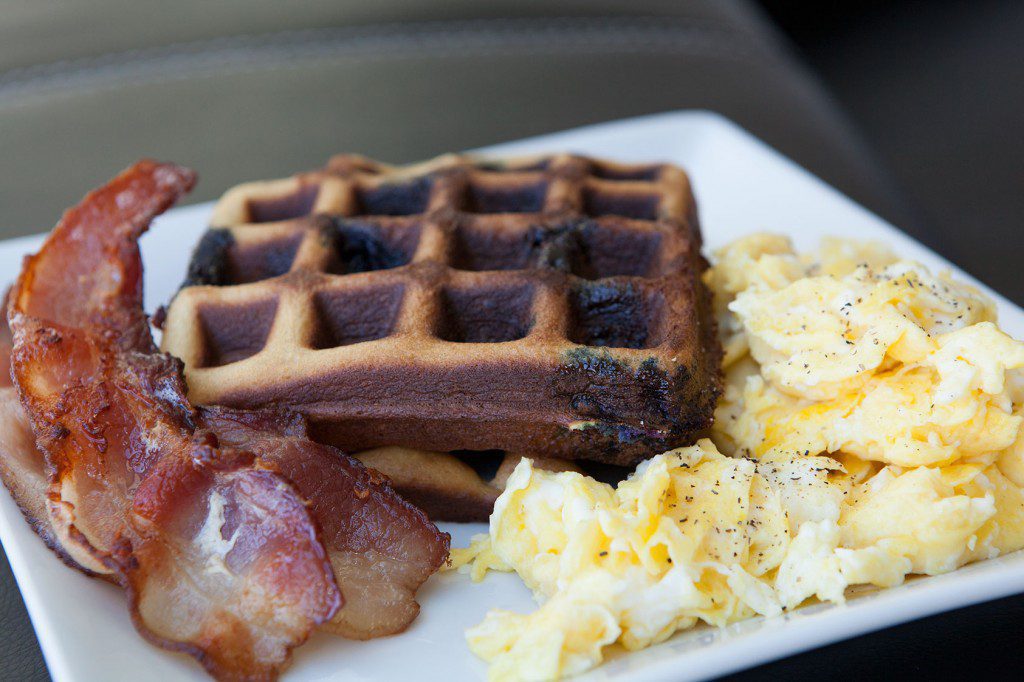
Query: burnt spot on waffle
615,314
219,261
365,246
210,262
561,248
551,305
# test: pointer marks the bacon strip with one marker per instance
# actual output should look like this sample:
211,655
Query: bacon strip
219,555
22,466
230,531
23,474
381,547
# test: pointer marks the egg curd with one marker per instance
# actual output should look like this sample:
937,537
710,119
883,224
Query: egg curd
871,429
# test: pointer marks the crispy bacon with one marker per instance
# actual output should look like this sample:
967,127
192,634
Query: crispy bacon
23,474
219,556
230,531
381,547
22,467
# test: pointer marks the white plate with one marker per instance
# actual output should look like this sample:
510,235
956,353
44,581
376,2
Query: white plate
742,186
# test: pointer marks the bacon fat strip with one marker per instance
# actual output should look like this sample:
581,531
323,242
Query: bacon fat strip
23,474
218,554
382,548
22,466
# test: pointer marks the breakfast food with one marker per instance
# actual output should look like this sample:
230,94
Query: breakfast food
450,487
872,429
233,534
549,305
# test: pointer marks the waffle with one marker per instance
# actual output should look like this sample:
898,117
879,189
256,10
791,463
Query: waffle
452,487
550,305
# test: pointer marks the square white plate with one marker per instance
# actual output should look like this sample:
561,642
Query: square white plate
742,186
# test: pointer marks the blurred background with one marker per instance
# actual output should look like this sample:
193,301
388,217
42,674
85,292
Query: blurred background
911,108
937,89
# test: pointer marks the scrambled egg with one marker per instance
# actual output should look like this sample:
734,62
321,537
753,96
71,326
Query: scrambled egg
871,429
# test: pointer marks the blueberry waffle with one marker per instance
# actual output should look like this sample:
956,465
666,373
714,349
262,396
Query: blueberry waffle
550,305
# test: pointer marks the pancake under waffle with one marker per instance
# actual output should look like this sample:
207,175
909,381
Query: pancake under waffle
549,305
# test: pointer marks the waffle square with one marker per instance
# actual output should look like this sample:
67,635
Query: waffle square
549,305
